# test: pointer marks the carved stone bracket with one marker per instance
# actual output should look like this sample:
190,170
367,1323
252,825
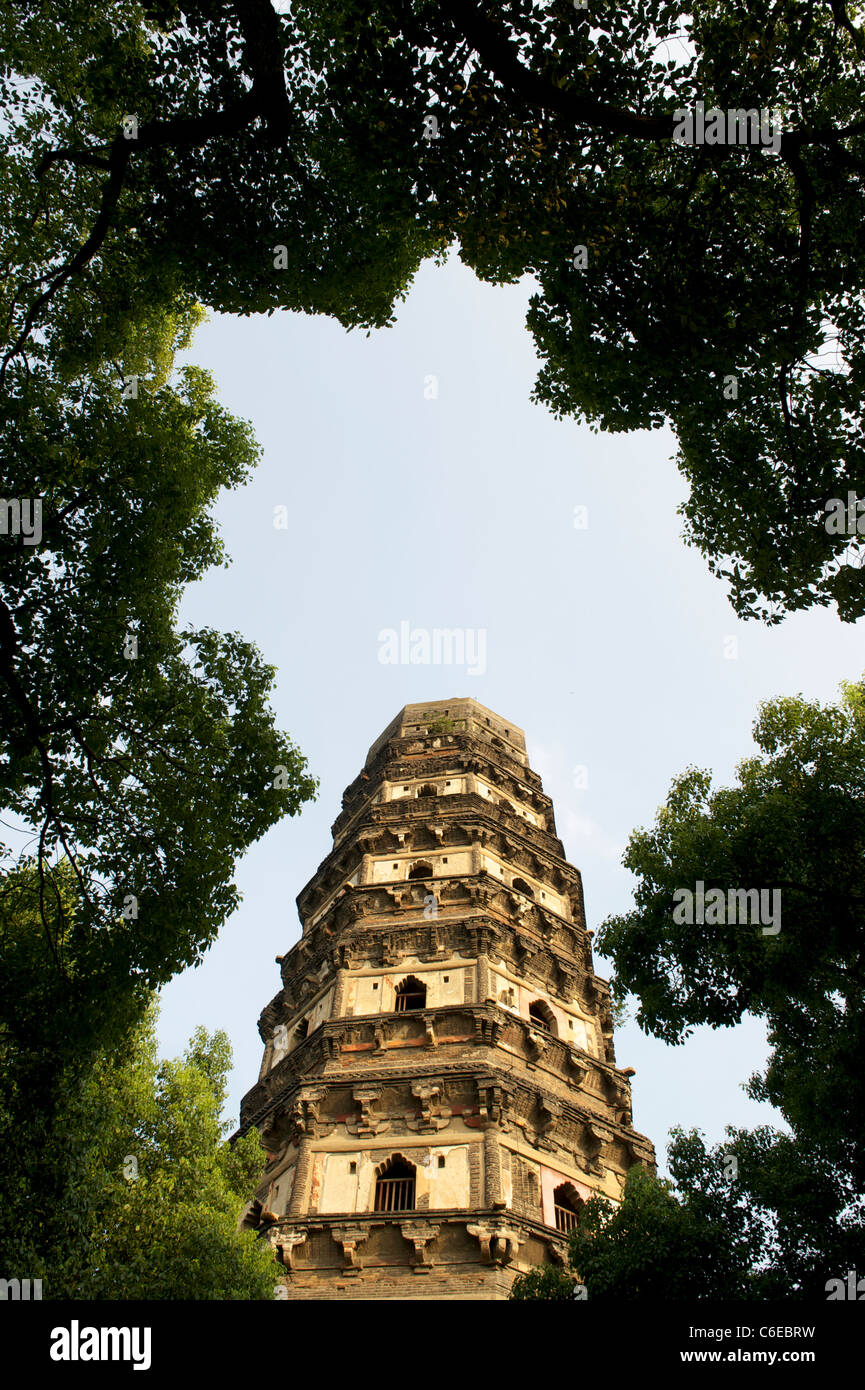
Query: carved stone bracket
568,982
390,953
421,1234
578,1066
527,948
547,923
619,1096
499,1243
312,1097
354,955
614,1088
349,1238
303,1118
296,1122
487,1030
434,944
495,1102
634,1153
524,912
591,993
549,1112
594,1139
367,1123
353,906
480,893
558,1253
549,1115
433,1114
300,1120
537,1043
286,1244
272,1133
487,935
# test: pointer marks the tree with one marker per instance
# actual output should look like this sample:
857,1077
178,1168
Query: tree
651,1246
137,761
311,159
794,825
144,756
809,1206
547,1282
767,1214
763,1216
154,1192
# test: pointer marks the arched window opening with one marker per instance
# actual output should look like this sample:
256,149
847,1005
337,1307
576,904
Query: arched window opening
428,790
422,870
543,1017
301,1031
566,1206
520,886
410,994
394,1185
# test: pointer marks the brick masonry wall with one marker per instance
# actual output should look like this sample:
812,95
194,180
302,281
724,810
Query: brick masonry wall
486,1284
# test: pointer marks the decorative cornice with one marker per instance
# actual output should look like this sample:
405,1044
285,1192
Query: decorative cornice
500,1096
499,1235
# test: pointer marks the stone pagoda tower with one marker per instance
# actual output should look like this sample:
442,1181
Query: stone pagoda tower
439,1091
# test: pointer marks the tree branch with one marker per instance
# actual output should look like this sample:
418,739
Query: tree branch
842,19
268,98
500,56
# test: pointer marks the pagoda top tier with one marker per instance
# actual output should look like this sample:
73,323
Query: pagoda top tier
457,715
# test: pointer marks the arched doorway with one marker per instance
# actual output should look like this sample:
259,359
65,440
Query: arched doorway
395,1185
566,1206
543,1017
410,995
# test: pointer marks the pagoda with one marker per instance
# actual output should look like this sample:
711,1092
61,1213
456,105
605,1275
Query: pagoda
439,1092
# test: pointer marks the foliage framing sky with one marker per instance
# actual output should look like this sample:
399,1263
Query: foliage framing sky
612,646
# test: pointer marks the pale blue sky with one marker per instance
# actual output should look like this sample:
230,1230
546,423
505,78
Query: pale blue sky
607,645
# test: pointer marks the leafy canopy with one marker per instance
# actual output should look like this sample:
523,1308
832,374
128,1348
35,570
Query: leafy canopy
795,821
138,760
143,755
152,1193
768,1214
311,159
